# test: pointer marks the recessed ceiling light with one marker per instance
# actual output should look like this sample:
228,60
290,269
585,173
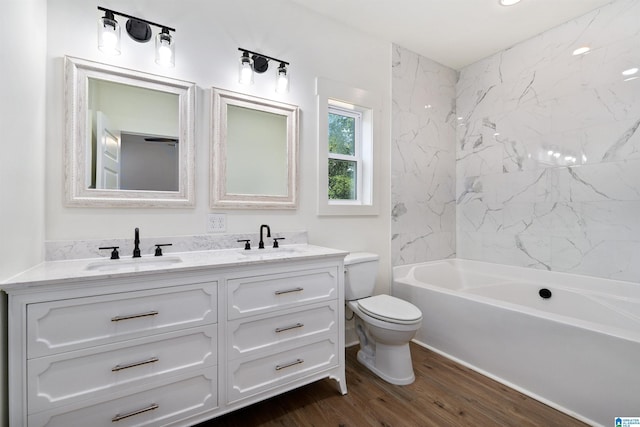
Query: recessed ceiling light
509,2
630,72
581,50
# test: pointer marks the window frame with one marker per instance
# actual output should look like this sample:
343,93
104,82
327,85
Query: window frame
334,94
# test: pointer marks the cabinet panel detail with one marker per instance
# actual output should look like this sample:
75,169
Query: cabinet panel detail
64,378
250,376
157,406
66,325
266,334
262,294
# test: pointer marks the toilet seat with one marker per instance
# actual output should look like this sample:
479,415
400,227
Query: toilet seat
390,309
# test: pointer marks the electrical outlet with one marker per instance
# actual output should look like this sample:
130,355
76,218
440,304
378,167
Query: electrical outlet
216,223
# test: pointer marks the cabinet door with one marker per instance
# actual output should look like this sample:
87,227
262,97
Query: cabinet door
66,325
161,405
249,296
65,378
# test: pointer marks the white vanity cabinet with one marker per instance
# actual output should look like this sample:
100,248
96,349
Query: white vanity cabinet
173,347
104,358
282,326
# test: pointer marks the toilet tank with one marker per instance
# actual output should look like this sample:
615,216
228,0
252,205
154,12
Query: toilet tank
361,269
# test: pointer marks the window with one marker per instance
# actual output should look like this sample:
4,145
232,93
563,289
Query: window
345,150
345,154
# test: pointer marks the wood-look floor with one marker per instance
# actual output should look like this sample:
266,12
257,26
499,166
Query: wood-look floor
444,394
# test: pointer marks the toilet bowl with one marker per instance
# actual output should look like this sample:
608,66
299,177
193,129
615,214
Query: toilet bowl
384,324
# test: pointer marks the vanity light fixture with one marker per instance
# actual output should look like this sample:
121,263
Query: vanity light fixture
282,78
109,34
140,31
165,49
246,69
252,62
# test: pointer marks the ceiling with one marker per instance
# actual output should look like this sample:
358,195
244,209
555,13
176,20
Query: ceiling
454,33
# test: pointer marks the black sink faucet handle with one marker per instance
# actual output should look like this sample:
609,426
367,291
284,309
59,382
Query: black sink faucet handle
114,252
247,244
159,248
275,241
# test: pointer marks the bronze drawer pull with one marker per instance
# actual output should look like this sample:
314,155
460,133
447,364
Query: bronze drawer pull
132,413
288,365
287,328
134,364
134,316
288,291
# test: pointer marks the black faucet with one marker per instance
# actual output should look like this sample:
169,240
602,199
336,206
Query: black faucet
261,244
136,244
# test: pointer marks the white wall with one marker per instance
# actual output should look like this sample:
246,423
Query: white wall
22,114
207,39
22,120
518,201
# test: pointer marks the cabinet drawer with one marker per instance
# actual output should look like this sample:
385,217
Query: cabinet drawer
250,296
68,377
268,332
250,376
72,324
168,402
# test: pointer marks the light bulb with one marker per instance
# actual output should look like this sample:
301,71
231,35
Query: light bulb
164,52
110,40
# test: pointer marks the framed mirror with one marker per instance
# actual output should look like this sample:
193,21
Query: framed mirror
130,137
254,152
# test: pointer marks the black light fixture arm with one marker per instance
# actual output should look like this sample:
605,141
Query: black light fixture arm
124,15
262,55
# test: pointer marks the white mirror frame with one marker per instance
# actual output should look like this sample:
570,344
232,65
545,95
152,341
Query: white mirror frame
77,74
220,198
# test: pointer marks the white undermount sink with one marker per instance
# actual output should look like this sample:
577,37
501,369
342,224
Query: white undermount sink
133,263
269,251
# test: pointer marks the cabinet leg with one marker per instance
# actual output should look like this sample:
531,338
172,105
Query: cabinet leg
342,383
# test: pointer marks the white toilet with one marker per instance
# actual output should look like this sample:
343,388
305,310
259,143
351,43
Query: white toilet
384,324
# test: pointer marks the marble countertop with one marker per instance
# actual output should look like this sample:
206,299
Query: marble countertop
51,272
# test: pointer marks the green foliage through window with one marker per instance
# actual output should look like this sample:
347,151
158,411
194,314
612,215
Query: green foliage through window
342,134
342,173
342,180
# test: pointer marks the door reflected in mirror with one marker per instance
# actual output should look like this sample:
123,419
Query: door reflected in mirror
134,137
130,137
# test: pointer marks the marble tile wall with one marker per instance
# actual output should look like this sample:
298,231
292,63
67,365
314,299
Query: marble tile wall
423,159
548,150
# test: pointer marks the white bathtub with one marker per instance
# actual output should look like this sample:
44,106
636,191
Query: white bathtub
578,351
